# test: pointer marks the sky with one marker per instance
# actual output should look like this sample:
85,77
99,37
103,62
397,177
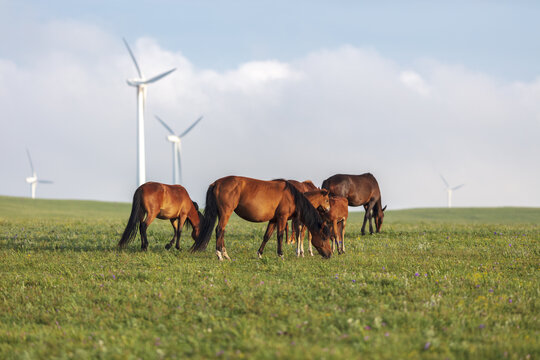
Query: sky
408,91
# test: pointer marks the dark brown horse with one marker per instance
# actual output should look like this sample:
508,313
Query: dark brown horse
255,200
360,190
163,201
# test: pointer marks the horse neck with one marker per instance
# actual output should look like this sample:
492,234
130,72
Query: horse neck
193,216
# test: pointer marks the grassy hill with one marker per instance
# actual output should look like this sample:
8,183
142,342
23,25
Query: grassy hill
16,208
435,283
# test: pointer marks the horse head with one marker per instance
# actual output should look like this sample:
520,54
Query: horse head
379,217
319,199
321,241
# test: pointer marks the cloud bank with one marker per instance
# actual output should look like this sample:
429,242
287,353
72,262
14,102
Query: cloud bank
340,110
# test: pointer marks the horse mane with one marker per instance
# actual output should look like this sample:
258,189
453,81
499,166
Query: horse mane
307,213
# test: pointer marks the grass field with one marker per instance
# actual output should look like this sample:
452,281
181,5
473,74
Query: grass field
436,283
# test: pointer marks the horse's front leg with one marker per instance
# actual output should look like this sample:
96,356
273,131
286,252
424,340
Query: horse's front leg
269,231
179,228
174,223
282,222
296,232
309,239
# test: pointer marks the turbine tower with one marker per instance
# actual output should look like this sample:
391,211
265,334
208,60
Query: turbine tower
176,141
449,190
140,83
33,180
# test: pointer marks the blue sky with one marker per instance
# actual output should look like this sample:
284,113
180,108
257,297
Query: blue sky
304,89
496,37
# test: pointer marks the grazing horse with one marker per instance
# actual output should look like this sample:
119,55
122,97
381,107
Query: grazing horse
303,187
320,201
255,200
164,202
337,216
359,190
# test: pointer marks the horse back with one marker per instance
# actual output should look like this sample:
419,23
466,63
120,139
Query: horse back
252,199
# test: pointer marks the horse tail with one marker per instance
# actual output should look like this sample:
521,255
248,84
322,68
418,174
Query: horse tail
137,214
208,221
307,213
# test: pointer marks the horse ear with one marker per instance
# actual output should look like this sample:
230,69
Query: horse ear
324,191
384,208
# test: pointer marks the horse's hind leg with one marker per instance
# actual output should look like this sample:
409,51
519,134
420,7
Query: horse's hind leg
221,252
150,216
343,223
269,231
174,223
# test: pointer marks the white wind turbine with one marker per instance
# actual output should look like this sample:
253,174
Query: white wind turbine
33,180
449,190
176,141
140,83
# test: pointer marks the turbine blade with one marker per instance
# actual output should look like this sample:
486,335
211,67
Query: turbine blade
30,159
165,125
157,77
457,187
45,181
445,182
133,58
191,127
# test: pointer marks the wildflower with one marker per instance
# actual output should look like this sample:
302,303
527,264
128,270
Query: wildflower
387,334
261,283
428,344
490,290
510,245
416,274
220,352
367,327
481,326
366,338
510,301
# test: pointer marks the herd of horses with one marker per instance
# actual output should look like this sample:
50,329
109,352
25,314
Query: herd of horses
322,212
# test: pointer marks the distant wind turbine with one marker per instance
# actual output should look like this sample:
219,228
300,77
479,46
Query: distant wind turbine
176,141
33,180
449,190
140,83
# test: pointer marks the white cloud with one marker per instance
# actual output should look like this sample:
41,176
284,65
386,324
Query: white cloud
414,81
334,110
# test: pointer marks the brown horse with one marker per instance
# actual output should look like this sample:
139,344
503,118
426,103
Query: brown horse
164,202
337,216
359,190
255,200
320,201
303,187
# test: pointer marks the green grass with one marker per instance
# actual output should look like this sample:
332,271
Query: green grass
436,283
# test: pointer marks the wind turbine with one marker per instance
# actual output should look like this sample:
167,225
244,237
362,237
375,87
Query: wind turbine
176,141
140,83
449,190
33,180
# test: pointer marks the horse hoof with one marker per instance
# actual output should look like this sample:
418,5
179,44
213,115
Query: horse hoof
168,246
259,255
